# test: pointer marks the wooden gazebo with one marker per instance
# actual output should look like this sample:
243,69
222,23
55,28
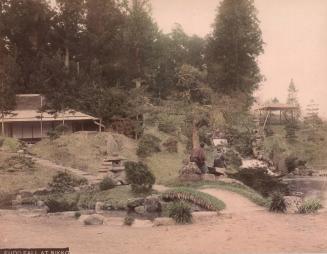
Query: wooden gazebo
284,110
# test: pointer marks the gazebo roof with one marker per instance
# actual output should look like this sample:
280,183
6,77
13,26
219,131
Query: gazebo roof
277,106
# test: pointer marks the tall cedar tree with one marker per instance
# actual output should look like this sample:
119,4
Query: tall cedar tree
27,29
102,40
69,26
141,35
233,48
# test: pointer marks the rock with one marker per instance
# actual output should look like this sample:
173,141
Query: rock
41,191
26,194
40,203
293,203
132,203
99,207
93,219
190,172
18,201
152,204
208,177
142,224
220,171
108,206
140,210
163,222
204,215
28,201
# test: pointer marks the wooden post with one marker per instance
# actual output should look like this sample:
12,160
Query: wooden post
100,125
41,123
2,124
280,116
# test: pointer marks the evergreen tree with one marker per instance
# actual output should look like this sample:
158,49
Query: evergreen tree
292,99
141,37
27,28
69,27
103,39
233,48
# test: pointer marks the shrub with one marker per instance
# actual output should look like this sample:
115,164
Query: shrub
291,163
61,203
277,204
129,220
139,176
77,215
106,184
167,126
233,159
64,182
18,162
171,145
57,131
180,212
148,145
310,206
201,199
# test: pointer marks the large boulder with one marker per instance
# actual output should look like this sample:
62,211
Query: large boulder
93,219
293,203
190,172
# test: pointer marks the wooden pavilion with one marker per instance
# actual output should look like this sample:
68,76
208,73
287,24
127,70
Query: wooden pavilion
285,113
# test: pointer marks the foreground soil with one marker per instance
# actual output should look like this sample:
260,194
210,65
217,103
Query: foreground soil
242,228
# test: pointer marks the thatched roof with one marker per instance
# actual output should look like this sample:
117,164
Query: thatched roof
28,110
35,116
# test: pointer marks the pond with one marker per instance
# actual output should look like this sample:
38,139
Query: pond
312,187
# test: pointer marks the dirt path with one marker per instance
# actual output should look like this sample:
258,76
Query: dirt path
92,178
234,202
257,231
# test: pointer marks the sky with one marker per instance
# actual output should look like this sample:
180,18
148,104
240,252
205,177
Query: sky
295,35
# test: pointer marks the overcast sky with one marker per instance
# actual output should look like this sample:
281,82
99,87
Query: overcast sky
295,33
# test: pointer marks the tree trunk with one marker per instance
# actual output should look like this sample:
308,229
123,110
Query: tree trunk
2,124
195,135
67,57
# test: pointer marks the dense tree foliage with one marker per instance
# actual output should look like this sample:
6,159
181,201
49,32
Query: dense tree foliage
233,48
109,58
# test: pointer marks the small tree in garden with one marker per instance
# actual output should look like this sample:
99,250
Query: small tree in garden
139,176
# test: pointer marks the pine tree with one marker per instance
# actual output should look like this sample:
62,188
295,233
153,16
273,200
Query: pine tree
233,49
292,99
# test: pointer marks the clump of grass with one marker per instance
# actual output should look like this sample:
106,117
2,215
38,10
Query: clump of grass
310,206
60,203
201,199
180,212
129,220
106,184
277,204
